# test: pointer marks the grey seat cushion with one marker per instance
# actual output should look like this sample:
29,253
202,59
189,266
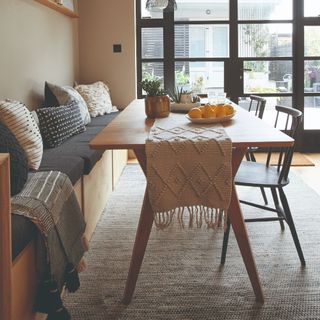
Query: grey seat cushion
78,146
103,120
74,158
72,166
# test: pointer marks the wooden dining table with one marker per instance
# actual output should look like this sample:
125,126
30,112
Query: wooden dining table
129,131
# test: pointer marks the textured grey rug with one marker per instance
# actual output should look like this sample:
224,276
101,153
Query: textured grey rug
180,277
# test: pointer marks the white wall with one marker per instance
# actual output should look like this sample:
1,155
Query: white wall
104,23
36,44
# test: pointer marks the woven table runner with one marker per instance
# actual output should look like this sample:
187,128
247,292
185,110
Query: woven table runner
189,172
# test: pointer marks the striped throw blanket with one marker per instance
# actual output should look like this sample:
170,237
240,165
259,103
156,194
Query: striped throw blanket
189,172
49,201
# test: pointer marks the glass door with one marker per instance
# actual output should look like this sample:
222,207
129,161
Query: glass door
243,47
186,48
309,32
264,54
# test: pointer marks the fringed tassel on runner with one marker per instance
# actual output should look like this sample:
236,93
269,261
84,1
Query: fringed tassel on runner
198,215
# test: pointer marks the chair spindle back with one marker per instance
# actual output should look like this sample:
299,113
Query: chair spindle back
288,120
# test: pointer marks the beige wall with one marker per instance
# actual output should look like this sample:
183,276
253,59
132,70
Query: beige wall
103,23
36,44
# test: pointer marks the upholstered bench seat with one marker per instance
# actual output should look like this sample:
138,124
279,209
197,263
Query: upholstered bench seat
74,158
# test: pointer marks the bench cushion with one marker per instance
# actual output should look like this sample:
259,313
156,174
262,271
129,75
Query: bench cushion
74,158
72,166
103,120
78,145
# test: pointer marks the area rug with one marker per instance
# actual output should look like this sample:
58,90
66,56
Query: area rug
298,160
181,278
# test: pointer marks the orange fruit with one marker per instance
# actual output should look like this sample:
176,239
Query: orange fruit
195,113
220,111
209,112
229,109
202,108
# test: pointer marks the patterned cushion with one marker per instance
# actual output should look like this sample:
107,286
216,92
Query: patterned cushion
56,96
97,97
20,122
18,159
60,123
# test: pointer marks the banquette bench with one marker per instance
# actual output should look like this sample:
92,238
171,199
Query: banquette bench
93,174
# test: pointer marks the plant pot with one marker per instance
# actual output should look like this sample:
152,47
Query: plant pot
157,106
186,98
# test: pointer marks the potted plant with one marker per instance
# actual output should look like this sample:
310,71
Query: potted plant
183,96
157,103
186,97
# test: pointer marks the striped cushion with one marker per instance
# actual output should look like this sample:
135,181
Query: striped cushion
20,122
97,98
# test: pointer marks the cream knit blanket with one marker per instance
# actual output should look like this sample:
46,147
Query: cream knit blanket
188,172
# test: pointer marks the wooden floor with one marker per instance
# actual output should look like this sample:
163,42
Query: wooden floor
310,175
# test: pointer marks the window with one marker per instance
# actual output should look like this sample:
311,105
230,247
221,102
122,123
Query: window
265,10
311,8
199,49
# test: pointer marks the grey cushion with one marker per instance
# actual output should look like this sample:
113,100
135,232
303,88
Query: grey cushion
102,121
74,158
62,95
78,146
73,167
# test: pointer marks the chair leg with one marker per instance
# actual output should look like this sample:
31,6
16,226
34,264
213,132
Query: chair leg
264,196
276,204
225,243
290,222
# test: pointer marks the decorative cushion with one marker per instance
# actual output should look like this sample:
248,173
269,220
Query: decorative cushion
97,97
18,159
20,122
56,96
60,123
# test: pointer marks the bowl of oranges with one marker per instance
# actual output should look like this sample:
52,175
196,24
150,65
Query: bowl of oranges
211,113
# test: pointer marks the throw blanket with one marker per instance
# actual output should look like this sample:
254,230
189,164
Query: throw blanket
188,171
49,201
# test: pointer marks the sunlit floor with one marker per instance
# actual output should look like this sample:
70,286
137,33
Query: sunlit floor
310,175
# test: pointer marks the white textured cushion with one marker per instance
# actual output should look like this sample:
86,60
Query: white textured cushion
97,97
66,95
20,122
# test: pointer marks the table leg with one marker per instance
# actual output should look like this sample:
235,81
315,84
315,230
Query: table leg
239,228
142,237
236,219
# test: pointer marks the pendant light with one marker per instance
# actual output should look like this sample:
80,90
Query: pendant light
159,5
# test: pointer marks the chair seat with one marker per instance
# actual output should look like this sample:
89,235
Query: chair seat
258,174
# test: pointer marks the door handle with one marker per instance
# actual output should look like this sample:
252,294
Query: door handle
245,69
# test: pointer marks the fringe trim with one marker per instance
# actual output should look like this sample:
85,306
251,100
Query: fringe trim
214,218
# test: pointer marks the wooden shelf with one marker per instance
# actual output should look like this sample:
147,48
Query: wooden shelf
60,8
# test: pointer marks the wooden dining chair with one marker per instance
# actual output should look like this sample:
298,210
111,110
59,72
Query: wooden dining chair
257,106
275,178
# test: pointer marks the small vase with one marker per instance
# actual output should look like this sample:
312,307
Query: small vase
186,98
157,106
